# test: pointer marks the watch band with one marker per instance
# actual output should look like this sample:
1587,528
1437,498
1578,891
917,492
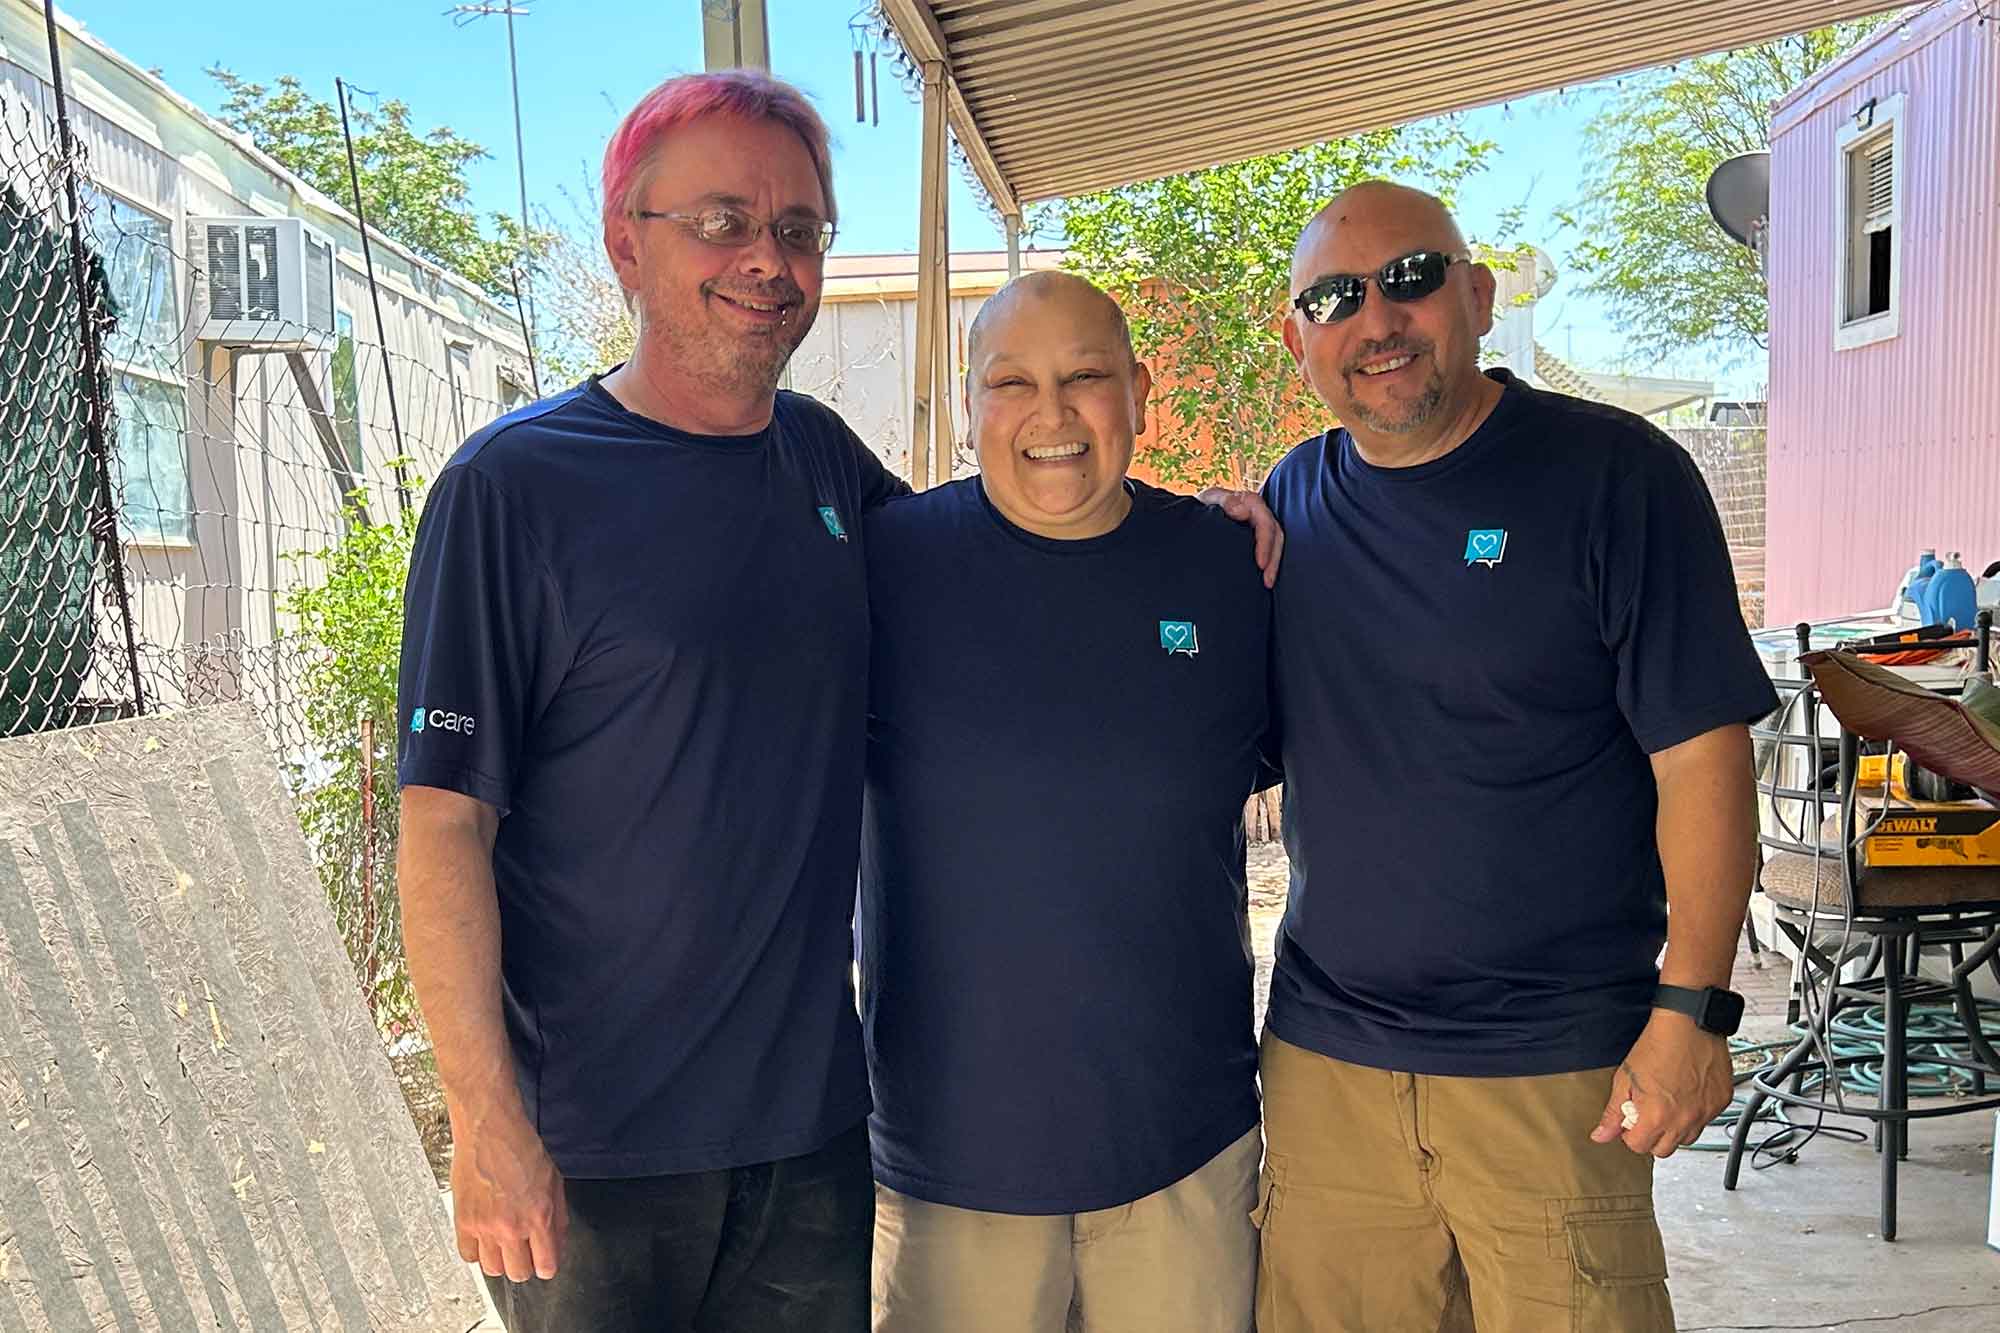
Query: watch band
1713,1008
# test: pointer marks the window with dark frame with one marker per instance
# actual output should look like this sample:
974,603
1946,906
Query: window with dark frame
1871,242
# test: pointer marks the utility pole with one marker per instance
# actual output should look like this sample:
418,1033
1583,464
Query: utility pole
462,15
734,35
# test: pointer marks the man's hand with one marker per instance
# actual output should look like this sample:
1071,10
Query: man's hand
1677,1077
1249,507
507,1199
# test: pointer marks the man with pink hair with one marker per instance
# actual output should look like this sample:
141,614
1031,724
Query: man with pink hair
633,664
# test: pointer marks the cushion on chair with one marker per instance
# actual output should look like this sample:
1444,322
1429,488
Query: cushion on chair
1788,881
1937,731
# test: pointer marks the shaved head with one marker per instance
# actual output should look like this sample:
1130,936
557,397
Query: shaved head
1077,299
1400,368
1409,212
1054,399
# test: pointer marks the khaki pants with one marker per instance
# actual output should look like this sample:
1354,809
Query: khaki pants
1181,1260
1390,1202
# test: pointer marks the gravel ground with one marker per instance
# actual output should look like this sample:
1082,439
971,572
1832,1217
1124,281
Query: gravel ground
1270,878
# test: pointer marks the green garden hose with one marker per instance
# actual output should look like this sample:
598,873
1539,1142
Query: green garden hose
1933,1034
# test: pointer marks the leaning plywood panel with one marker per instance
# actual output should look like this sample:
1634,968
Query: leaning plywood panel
198,1126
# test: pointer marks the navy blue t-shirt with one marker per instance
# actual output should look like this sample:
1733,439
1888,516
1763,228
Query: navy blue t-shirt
1062,734
1474,658
649,649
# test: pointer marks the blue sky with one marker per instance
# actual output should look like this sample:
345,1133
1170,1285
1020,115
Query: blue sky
584,61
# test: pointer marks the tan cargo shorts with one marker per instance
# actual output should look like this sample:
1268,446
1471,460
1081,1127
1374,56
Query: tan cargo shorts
1403,1203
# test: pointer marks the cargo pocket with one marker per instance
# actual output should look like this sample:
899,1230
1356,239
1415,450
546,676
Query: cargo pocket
1620,1272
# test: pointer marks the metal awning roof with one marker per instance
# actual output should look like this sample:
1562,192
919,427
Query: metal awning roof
1058,97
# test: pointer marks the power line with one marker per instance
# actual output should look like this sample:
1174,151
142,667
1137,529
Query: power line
374,296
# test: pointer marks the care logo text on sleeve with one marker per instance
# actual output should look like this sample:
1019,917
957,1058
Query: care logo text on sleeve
440,719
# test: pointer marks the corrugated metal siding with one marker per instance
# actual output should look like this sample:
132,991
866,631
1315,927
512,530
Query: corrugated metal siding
202,1129
1880,450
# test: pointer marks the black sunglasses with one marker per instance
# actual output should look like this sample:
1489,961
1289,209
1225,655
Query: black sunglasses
1410,278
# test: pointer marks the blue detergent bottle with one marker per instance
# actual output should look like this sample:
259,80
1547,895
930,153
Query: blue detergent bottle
1951,595
1919,587
1926,564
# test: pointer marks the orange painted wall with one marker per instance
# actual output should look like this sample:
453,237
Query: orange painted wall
1306,418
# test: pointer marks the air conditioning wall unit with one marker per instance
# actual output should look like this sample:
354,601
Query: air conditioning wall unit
265,282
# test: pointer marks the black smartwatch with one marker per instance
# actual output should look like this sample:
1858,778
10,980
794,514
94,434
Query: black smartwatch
1712,1008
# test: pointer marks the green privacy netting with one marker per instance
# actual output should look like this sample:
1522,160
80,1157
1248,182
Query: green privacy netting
47,554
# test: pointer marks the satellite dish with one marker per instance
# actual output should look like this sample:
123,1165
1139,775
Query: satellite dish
1739,198
1545,272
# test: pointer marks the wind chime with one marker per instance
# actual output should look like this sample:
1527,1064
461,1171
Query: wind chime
867,91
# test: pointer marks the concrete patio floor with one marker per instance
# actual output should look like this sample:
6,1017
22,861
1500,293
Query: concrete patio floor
1796,1247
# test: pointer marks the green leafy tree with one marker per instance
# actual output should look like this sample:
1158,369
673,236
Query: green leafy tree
1201,263
1675,281
583,324
349,638
412,185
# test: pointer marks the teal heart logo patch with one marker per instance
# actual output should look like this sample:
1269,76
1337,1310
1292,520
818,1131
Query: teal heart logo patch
1485,546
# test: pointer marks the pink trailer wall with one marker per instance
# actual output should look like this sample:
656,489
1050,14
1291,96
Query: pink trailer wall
1880,450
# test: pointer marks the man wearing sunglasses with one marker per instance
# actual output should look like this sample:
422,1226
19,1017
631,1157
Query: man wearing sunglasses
1512,682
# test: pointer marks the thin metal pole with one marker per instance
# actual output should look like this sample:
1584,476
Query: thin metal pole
1013,223
520,152
374,296
93,373
735,34
926,389
527,312
944,438
367,959
520,313
270,499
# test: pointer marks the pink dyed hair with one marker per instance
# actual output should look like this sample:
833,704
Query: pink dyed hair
748,93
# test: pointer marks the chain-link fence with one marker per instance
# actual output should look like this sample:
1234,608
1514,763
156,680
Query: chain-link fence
197,513
1732,460
49,481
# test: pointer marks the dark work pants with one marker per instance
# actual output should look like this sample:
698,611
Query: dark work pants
781,1247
